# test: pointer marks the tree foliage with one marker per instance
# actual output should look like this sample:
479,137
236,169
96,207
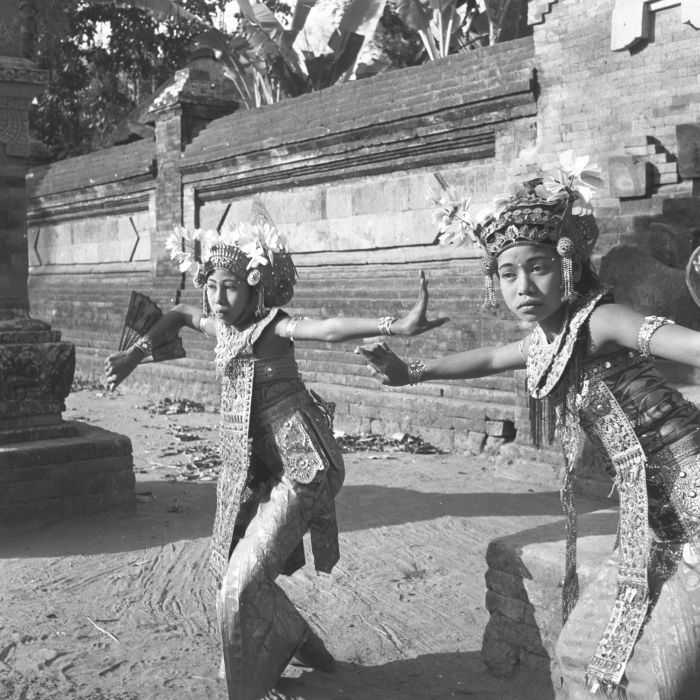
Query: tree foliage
105,56
101,61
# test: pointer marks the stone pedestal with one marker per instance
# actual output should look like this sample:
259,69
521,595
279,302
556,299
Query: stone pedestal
48,467
85,471
524,586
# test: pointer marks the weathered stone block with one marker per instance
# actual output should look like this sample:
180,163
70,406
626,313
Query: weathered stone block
688,136
524,596
627,176
66,476
470,441
493,444
34,378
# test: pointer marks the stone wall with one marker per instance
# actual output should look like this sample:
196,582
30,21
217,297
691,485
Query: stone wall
346,172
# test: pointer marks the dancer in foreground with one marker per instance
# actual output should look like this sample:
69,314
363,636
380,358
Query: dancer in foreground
281,467
635,632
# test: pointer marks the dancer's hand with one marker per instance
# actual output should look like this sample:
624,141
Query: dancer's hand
385,364
119,365
416,321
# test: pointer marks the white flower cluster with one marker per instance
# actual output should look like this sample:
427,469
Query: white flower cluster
575,180
258,241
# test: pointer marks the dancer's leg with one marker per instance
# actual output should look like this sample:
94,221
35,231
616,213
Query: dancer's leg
260,626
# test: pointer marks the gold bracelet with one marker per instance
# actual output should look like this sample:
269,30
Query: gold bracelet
144,345
416,370
384,324
649,326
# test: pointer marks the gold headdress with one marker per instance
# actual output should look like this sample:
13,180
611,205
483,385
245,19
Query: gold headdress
552,210
255,253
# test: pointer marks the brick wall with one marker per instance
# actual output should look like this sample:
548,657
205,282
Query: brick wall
604,102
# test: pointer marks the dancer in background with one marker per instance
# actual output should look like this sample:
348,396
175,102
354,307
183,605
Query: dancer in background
281,467
635,631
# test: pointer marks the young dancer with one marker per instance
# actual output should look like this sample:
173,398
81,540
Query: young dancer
635,631
281,467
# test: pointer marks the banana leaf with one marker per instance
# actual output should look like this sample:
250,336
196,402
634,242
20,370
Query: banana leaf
301,13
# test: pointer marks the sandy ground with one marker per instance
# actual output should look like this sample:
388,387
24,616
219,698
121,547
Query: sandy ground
116,606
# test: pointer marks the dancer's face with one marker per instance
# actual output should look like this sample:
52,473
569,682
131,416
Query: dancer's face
530,280
230,298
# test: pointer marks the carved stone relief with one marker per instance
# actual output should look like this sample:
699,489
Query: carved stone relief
35,378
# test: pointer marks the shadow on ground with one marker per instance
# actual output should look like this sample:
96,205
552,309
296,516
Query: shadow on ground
600,522
364,506
172,511
428,677
165,512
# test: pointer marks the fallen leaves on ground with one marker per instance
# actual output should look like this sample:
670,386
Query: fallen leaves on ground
374,442
169,406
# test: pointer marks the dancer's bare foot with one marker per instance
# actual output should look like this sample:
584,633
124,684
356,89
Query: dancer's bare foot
313,653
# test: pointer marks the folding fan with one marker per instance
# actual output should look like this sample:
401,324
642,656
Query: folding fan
141,315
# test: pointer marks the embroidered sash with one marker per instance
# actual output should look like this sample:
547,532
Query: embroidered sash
612,430
237,376
234,449
607,425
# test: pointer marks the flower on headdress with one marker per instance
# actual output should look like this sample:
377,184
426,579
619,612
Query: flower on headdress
255,250
233,235
207,238
575,177
271,239
180,244
455,222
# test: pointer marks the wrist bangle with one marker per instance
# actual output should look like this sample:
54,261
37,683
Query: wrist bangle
144,345
384,324
649,326
416,370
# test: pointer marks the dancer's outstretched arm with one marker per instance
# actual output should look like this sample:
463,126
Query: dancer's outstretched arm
340,328
390,369
618,325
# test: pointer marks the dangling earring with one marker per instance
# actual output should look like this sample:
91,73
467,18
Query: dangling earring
206,309
260,304
566,249
489,267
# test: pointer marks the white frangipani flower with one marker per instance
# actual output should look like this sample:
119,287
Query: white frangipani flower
574,176
180,244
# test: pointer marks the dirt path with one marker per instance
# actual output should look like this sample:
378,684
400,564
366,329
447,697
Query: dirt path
116,607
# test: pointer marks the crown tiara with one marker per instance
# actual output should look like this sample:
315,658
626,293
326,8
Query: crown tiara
531,216
255,253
